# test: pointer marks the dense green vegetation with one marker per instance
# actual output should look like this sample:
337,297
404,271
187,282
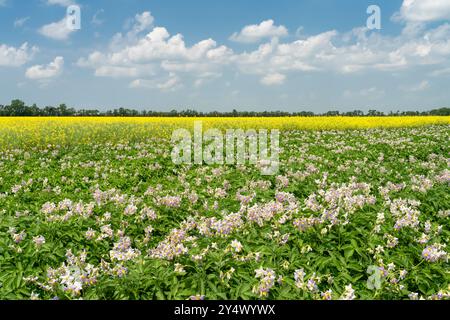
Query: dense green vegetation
19,108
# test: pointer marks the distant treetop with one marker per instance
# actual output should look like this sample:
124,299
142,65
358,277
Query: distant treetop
18,108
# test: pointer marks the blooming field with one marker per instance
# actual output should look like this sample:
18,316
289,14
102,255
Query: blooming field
96,209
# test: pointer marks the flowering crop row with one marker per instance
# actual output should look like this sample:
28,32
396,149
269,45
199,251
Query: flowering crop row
96,209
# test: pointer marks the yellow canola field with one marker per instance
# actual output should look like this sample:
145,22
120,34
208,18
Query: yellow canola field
60,130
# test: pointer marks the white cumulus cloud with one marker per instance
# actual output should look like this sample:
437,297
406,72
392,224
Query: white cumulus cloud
15,57
57,30
51,70
155,55
149,54
257,32
424,10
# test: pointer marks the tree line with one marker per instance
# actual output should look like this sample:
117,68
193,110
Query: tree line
18,108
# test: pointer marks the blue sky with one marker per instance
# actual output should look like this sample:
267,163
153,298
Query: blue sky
218,55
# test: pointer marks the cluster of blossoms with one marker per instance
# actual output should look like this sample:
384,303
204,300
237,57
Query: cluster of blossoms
17,237
130,210
24,185
344,198
379,222
443,214
117,270
122,250
310,285
220,193
285,197
299,277
392,276
282,181
193,197
267,281
70,209
304,224
148,213
227,225
245,200
264,212
172,246
90,234
406,213
112,195
421,184
280,238
260,184
391,241
72,276
39,241
444,177
169,201
347,197
223,227
148,230
424,238
441,295
348,294
105,232
434,253
236,246
327,295
390,187
179,268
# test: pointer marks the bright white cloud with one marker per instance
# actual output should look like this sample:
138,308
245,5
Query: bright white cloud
359,51
159,45
15,57
51,70
140,23
424,10
143,21
257,32
57,30
156,54
274,79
